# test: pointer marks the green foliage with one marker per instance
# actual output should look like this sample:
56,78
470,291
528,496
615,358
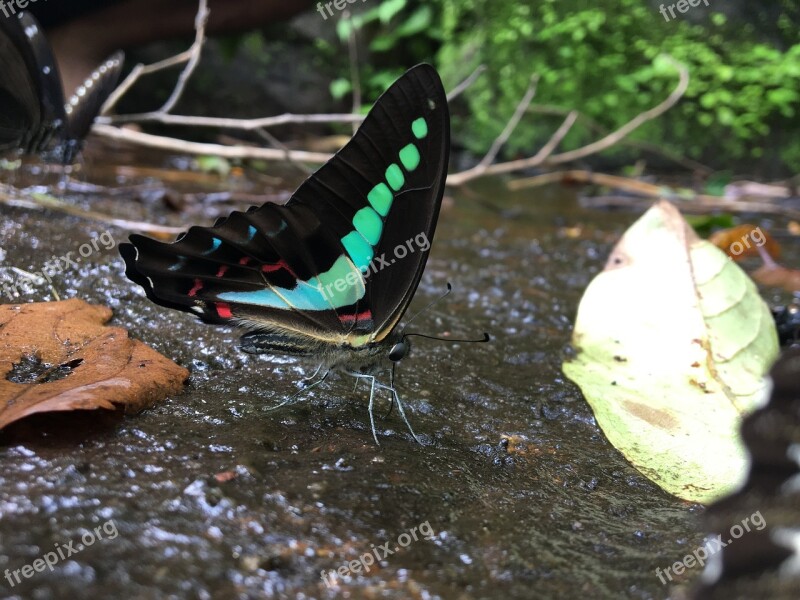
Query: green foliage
393,28
604,59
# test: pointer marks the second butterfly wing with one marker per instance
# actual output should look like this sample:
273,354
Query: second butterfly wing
31,98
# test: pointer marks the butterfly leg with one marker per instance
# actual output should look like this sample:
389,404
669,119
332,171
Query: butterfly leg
359,377
396,398
403,414
291,399
304,379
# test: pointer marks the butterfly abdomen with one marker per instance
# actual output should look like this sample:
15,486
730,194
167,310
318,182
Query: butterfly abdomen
275,343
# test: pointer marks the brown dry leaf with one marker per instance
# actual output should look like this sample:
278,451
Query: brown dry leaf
745,240
772,274
61,356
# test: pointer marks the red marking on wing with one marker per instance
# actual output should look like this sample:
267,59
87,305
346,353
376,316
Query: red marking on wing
362,316
244,260
198,285
222,270
223,310
281,264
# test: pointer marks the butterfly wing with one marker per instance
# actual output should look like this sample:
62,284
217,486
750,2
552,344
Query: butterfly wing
310,268
31,99
767,503
85,104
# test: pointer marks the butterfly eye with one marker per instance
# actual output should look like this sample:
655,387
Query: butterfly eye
398,351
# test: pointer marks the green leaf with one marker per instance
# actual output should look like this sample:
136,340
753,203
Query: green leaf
343,29
673,342
213,164
419,20
389,8
715,186
340,88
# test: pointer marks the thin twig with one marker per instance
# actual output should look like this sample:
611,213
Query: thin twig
43,201
186,147
456,179
200,20
511,125
228,123
459,89
190,57
545,151
250,124
703,207
355,81
593,125
286,150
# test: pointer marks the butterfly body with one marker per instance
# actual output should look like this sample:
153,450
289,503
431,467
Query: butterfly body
328,275
34,116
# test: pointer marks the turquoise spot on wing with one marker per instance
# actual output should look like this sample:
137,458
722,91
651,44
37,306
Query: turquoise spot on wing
394,176
281,227
341,285
369,224
409,156
380,197
420,128
215,243
177,266
358,249
251,233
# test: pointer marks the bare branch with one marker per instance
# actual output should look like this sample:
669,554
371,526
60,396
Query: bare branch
139,70
43,201
542,157
511,125
186,147
459,89
200,21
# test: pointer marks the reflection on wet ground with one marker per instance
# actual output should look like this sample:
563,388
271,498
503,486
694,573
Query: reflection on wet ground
213,496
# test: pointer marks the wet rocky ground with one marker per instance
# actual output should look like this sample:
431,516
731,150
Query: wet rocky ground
210,495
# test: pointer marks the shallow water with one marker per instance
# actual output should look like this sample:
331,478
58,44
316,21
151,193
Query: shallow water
213,496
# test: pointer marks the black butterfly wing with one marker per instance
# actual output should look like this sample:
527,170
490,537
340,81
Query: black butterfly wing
31,98
397,162
85,104
760,523
307,268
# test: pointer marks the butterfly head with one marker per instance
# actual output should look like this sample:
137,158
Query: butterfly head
400,349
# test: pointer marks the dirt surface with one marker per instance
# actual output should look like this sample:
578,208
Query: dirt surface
210,495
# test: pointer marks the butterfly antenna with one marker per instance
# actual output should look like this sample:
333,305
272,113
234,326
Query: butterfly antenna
486,337
430,304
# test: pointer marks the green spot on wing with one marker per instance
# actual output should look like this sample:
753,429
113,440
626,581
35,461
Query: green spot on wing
394,176
369,224
409,156
381,199
420,128
341,284
358,249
